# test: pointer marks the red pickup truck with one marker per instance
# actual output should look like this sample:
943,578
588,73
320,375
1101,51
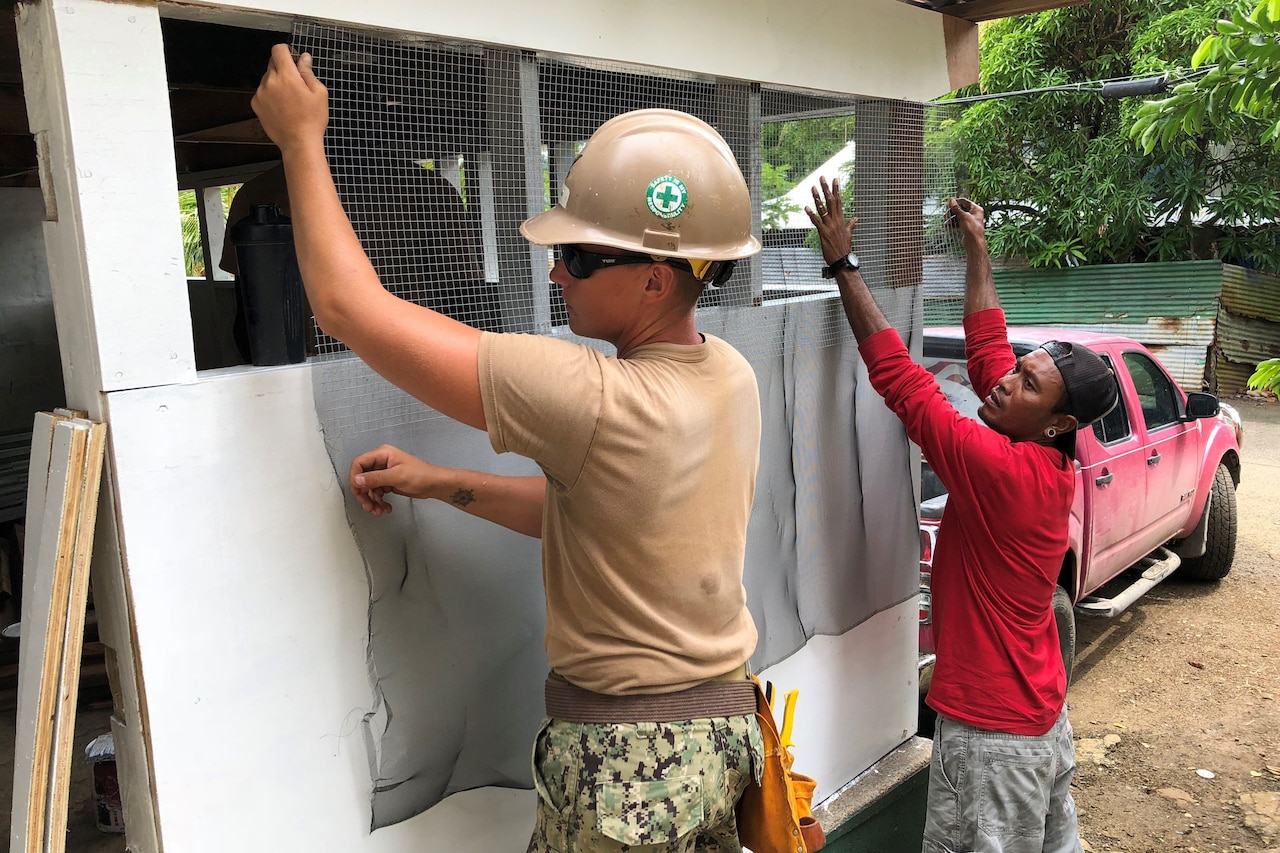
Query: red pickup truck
1155,483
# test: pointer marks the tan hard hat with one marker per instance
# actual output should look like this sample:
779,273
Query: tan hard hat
657,182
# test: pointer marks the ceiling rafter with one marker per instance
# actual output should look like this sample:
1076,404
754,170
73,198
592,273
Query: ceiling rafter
988,10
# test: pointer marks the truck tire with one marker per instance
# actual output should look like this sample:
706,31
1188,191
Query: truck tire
1064,614
1220,537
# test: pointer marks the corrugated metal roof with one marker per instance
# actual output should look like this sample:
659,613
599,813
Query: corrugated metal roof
1249,293
789,265
1246,339
1184,361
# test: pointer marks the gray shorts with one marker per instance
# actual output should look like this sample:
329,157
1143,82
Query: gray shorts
991,792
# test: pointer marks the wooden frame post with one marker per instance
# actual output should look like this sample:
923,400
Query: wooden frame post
107,167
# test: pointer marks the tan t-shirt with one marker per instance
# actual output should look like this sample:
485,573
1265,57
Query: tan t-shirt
651,466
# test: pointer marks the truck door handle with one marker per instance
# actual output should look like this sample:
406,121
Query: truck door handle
1154,459
1104,479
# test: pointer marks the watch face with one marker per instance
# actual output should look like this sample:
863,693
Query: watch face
852,259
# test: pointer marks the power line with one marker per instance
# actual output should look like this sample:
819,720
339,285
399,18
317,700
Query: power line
1116,87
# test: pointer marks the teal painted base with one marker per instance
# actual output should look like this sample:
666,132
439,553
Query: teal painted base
882,811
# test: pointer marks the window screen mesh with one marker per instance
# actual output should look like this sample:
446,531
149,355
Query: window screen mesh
439,152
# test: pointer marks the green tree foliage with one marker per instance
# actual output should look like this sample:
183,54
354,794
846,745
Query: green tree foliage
1057,171
192,249
774,186
796,148
1238,91
1267,376
791,151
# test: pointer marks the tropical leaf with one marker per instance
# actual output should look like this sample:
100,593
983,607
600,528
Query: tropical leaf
1266,376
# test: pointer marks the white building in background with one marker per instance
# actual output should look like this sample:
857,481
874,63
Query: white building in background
796,199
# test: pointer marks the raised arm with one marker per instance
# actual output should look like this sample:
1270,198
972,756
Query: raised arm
513,502
428,354
986,342
835,234
979,285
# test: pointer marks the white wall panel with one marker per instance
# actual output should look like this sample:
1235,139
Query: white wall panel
251,608
878,48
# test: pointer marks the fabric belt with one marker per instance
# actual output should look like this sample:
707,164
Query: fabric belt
712,699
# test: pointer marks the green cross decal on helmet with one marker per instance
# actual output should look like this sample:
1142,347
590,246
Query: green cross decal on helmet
666,196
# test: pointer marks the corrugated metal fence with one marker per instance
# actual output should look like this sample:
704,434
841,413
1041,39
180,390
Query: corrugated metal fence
1209,323
1248,324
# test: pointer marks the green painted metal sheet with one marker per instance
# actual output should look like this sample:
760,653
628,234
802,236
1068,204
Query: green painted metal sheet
1111,293
1248,293
944,311
1178,310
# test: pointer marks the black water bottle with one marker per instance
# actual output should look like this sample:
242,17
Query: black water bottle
272,286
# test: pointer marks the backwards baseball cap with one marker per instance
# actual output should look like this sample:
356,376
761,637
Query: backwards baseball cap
1091,386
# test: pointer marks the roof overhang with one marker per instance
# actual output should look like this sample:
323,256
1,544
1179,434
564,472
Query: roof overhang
986,10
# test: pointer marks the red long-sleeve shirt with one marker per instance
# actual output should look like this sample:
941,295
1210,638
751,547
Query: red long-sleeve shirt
1000,545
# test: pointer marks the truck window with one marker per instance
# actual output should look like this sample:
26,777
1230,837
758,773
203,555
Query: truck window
1156,392
1115,426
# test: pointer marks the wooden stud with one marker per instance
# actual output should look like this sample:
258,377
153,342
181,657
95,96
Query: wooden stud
44,624
66,470
987,10
73,640
34,589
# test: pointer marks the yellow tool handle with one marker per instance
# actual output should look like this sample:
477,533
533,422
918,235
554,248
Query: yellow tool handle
788,717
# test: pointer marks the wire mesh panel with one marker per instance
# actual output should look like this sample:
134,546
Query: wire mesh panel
408,123
439,152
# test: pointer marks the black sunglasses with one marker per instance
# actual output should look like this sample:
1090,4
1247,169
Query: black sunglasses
581,264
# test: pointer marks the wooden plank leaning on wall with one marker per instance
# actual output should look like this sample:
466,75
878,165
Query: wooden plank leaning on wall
62,500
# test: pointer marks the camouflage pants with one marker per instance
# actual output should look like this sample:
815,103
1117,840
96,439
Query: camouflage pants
642,787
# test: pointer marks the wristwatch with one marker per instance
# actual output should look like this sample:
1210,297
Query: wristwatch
849,261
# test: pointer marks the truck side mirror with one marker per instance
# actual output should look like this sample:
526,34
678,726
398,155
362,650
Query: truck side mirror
1200,405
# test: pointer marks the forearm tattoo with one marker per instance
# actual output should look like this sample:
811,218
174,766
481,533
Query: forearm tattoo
462,497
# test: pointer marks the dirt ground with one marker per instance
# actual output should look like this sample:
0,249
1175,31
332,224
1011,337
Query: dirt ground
1176,703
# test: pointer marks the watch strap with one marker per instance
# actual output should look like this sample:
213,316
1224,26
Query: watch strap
846,262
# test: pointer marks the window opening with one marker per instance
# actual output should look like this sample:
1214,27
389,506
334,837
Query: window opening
1156,392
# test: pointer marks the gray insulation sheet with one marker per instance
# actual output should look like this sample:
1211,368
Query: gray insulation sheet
456,611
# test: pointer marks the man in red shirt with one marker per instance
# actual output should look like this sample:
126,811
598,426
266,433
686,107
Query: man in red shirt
1003,758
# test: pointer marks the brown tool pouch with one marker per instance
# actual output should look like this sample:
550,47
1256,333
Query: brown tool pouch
775,815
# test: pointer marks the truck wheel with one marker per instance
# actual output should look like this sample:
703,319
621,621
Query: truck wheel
1065,615
1220,541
